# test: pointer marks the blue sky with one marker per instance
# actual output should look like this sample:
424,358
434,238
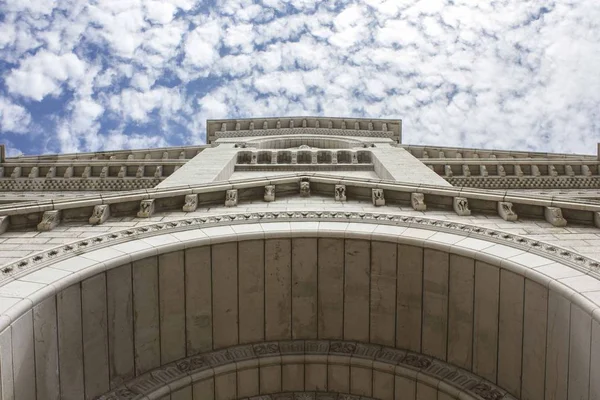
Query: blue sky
107,74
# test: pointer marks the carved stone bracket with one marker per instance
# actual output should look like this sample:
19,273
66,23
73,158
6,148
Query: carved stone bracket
50,220
269,193
100,214
305,188
554,216
191,203
597,219
506,212
340,192
461,206
377,197
417,200
146,208
4,222
231,198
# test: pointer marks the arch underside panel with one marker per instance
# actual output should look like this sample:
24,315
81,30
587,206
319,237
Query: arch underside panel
114,333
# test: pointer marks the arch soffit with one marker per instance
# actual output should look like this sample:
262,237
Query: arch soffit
69,264
445,377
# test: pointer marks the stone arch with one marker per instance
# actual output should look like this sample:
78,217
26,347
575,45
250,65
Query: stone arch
480,310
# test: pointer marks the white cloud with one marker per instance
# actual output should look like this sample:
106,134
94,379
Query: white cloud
502,74
44,74
13,117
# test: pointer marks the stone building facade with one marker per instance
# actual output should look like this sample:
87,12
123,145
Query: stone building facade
300,258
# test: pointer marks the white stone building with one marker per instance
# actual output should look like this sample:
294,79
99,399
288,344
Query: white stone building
300,258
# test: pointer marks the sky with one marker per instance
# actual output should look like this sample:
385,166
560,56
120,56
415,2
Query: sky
92,75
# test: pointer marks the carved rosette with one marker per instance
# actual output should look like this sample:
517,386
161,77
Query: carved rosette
191,203
231,198
269,193
378,197
100,214
340,193
146,208
461,206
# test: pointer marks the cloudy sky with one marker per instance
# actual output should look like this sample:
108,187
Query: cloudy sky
86,75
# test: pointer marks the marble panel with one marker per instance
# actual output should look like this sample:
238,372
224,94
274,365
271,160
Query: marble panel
304,288
383,293
224,295
461,281
534,340
579,354
435,303
171,286
252,290
278,298
357,263
409,297
46,350
23,355
198,300
70,350
485,320
146,320
6,365
330,288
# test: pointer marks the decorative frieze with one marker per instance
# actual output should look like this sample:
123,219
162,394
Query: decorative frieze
100,214
146,208
527,182
50,220
190,203
231,198
269,193
305,188
340,192
506,212
554,216
377,197
417,201
461,206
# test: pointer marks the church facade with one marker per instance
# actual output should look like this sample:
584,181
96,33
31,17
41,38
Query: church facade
300,259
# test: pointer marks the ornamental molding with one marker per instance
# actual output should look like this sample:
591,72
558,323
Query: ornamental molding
48,257
68,184
200,367
304,131
526,182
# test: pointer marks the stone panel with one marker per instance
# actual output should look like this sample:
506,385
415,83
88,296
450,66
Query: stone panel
95,336
485,320
435,303
247,382
579,354
6,365
356,290
534,341
331,288
204,390
172,306
278,304
461,283
46,350
120,325
304,288
510,331
70,350
383,385
252,290
225,386
409,298
383,293
224,295
146,320
198,300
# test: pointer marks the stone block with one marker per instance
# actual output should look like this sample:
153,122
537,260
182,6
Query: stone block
231,198
100,214
269,193
417,200
146,208
554,216
50,220
506,212
378,197
461,206
191,203
340,192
